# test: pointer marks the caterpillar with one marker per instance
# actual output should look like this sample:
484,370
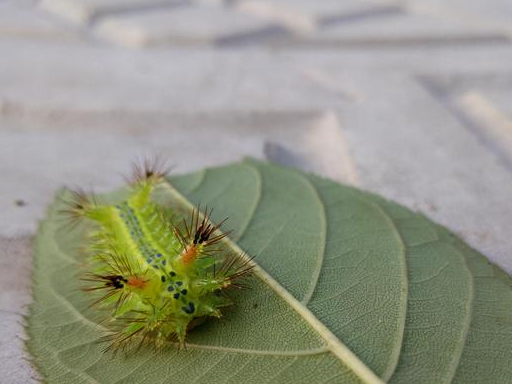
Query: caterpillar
159,277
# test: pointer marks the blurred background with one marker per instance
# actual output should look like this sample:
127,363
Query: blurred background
411,99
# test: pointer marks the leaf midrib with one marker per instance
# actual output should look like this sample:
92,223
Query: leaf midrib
335,346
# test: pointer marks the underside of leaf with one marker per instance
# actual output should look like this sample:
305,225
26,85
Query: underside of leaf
348,288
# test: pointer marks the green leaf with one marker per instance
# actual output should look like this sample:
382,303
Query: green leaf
350,288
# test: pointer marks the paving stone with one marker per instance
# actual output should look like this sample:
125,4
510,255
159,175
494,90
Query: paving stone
19,3
323,149
15,264
403,27
481,103
490,13
102,78
19,21
499,100
303,16
318,10
105,78
15,267
491,125
85,11
14,365
177,26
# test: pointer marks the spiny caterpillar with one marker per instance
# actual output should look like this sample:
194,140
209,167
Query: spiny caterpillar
159,278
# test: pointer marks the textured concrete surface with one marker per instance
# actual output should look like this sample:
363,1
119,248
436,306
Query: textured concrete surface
408,98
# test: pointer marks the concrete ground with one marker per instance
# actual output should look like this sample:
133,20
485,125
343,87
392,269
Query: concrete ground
408,98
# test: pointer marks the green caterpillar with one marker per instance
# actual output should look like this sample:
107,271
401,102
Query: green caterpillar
159,278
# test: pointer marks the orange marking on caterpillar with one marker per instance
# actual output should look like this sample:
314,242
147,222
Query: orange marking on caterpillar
189,254
137,282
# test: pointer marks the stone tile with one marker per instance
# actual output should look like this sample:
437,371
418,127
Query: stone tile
323,149
15,262
499,99
14,366
403,27
303,15
489,117
20,21
316,10
15,267
23,3
480,103
104,79
85,11
177,26
491,13
488,123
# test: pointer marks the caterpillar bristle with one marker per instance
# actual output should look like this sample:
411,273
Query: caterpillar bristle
235,267
198,237
120,341
120,264
149,169
146,336
76,204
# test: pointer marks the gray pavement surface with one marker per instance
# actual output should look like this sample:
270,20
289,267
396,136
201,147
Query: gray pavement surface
408,98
